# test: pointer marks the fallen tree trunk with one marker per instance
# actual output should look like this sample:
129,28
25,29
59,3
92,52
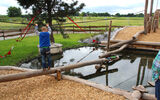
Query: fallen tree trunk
114,51
23,75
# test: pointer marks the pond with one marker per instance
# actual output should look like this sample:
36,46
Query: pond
133,67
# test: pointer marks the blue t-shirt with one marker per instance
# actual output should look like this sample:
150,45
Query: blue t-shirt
44,39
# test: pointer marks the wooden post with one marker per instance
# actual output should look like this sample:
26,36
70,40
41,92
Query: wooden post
106,28
109,33
3,35
90,29
59,76
151,8
145,16
150,16
73,29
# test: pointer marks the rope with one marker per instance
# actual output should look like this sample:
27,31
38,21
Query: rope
25,31
85,56
75,23
8,53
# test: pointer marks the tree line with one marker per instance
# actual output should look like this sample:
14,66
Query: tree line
16,12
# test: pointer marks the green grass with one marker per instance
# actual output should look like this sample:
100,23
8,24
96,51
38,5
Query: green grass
10,26
27,48
122,21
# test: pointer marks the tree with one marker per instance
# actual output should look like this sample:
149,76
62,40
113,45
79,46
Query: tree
53,9
118,14
14,12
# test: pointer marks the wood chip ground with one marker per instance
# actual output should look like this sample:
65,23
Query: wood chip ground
47,88
127,34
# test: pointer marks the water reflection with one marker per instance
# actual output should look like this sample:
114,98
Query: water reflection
133,68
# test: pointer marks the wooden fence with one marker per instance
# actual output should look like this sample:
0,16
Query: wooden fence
68,29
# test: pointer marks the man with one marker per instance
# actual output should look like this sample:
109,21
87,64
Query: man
44,45
156,75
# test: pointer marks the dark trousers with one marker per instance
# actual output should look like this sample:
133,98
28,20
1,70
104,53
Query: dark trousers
45,53
157,89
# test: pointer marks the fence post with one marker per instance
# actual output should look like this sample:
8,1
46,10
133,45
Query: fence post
3,35
73,29
109,33
90,29
106,28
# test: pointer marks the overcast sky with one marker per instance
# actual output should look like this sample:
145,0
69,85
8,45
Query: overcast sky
111,6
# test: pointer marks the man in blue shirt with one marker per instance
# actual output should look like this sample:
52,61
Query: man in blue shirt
44,45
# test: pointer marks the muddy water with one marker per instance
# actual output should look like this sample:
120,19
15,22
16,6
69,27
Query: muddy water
133,67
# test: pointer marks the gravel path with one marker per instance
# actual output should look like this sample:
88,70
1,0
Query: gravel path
47,88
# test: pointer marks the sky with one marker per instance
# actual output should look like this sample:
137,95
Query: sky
111,6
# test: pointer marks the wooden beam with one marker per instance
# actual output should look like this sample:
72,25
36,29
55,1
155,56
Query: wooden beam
23,75
135,43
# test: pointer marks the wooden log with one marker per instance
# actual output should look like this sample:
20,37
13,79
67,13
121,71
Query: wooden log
151,84
151,8
136,94
140,88
23,75
59,76
144,48
137,34
135,43
15,68
97,67
146,96
109,34
145,15
149,25
114,51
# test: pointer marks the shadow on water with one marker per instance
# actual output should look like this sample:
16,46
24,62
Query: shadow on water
133,68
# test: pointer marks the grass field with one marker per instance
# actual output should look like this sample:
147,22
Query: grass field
28,49
94,21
